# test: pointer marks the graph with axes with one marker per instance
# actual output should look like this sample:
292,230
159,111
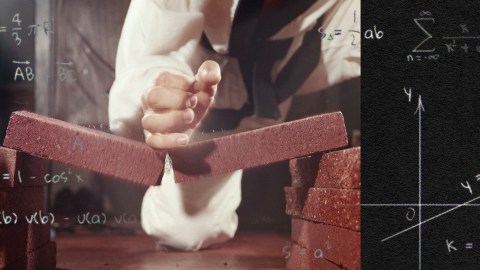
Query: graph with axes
421,137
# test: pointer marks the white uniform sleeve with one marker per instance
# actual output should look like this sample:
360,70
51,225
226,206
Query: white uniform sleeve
163,35
190,216
156,36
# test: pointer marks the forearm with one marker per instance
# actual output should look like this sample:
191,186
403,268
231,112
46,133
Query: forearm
148,46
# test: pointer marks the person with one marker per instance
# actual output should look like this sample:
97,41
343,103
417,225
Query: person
194,69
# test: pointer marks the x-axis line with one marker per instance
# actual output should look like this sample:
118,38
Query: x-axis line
430,219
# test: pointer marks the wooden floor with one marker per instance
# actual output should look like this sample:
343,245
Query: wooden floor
248,250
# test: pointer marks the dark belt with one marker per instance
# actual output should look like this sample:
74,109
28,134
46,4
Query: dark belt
256,54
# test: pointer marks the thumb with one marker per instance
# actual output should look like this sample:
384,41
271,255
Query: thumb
207,78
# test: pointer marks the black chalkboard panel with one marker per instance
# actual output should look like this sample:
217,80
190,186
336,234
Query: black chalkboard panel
420,134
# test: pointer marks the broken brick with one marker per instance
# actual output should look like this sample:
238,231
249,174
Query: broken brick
138,163
83,147
259,147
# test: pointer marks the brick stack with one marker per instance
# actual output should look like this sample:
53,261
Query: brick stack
324,202
22,194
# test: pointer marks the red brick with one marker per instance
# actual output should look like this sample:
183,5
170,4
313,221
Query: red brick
42,258
339,245
21,167
21,201
340,169
138,163
304,170
295,198
19,239
338,207
300,258
259,147
83,147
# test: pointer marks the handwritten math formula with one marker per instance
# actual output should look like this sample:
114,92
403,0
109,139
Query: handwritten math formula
65,71
420,119
19,31
40,217
461,39
354,35
48,178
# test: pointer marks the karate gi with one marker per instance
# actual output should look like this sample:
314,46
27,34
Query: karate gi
178,35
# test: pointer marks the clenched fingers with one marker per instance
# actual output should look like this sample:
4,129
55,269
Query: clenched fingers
166,98
167,121
174,80
166,141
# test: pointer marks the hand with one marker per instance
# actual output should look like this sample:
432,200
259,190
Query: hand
176,105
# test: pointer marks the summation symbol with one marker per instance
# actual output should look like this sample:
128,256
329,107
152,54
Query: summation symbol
429,36
424,23
461,42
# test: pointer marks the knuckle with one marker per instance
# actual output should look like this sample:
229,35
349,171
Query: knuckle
150,97
145,121
210,62
160,141
164,78
152,141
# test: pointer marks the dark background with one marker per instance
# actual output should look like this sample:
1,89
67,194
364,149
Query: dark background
450,94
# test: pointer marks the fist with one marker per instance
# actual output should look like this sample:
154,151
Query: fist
176,104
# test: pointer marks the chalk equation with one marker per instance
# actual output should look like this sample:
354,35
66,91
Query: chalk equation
466,185
259,220
42,218
24,71
462,41
48,178
65,71
453,247
338,33
317,253
355,35
16,28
